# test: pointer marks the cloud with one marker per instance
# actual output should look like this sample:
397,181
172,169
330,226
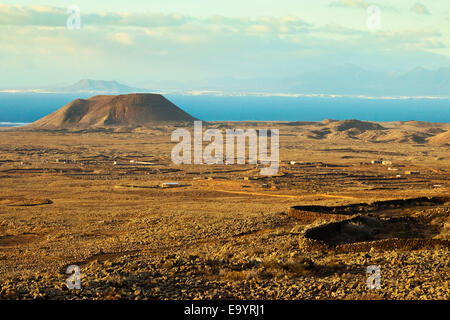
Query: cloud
123,38
196,45
411,39
129,29
361,4
36,15
337,29
46,16
52,16
419,8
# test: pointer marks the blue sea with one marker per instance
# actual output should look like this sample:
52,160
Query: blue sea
29,107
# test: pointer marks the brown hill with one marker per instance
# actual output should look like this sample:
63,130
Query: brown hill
414,132
129,110
403,136
440,139
341,129
355,125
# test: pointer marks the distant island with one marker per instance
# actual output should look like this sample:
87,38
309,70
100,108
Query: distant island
84,86
98,86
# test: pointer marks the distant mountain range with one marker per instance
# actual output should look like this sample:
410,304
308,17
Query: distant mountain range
350,79
345,79
98,86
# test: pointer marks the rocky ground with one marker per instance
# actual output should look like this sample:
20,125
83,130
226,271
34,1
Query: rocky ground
220,234
422,274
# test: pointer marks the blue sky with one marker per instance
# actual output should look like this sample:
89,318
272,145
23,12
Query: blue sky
143,42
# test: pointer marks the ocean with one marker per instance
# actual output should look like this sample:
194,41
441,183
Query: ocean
19,108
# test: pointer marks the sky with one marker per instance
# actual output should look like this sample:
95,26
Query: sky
146,42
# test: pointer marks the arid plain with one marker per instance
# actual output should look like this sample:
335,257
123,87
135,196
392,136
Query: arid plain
94,198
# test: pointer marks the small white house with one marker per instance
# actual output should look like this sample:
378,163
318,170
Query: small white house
169,184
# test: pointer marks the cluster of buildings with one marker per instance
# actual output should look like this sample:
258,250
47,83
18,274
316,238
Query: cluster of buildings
388,162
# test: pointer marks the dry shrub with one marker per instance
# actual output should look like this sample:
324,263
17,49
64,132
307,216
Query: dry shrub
335,266
298,267
233,275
